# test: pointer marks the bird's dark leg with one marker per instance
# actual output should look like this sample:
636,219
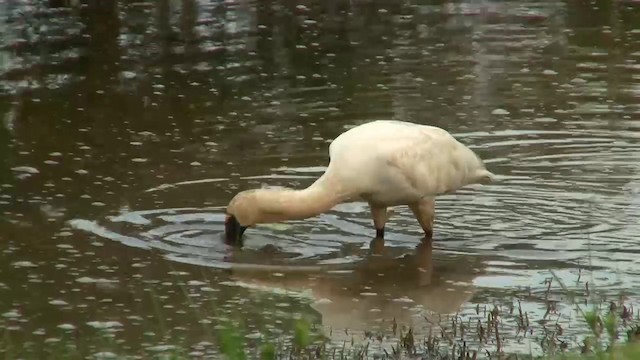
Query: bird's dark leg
233,231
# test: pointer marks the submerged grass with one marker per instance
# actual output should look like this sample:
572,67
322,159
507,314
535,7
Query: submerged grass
614,333
452,342
407,347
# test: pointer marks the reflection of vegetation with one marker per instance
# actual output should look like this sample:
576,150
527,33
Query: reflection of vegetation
5,143
188,73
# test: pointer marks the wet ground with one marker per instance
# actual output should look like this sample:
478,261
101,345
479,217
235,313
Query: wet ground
127,127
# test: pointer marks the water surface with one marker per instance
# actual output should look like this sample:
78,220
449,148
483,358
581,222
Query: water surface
127,127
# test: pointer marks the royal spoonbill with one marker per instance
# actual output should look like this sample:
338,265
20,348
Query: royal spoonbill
385,163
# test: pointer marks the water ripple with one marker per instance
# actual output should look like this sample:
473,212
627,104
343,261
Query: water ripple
565,215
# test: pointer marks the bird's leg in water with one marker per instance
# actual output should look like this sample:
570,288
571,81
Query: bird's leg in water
379,214
424,210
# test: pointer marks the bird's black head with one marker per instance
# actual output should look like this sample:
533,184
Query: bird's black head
233,231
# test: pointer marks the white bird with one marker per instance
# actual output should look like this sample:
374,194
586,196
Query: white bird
385,163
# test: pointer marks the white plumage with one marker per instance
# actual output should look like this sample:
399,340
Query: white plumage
385,163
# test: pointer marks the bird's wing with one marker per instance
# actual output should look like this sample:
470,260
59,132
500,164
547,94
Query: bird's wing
433,164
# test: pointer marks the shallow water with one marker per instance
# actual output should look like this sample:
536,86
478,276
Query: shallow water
127,127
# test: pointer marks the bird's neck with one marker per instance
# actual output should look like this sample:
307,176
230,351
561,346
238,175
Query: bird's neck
288,204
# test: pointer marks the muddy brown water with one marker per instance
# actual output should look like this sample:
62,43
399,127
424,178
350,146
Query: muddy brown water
127,127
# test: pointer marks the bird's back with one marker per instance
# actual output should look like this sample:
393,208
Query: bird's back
396,162
391,132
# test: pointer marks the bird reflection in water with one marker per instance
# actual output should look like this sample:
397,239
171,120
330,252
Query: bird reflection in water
386,284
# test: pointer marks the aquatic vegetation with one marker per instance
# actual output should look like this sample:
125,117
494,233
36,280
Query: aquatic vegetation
614,333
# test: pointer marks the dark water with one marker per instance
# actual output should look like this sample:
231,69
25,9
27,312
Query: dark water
128,126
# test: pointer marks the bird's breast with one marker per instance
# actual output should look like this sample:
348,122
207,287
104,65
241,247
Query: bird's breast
391,198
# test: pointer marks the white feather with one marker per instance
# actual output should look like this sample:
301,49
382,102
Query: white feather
391,163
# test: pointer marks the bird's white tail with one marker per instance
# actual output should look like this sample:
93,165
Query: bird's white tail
485,176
